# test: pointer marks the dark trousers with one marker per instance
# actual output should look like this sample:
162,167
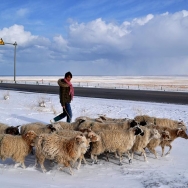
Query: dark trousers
66,112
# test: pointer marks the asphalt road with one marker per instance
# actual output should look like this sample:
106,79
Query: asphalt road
122,94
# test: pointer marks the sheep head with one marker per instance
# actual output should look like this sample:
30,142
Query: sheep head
12,130
181,133
29,137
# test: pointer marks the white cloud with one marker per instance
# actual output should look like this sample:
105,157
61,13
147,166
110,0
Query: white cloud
16,33
144,45
144,20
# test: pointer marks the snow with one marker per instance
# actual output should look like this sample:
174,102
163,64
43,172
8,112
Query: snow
166,172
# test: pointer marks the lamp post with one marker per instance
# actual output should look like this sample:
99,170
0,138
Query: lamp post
15,44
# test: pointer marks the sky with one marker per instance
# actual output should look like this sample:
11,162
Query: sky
169,171
106,37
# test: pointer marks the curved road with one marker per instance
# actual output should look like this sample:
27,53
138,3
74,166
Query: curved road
123,94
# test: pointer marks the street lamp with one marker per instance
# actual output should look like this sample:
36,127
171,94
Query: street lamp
15,44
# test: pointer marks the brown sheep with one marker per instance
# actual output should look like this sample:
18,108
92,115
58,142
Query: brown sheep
64,151
173,134
17,147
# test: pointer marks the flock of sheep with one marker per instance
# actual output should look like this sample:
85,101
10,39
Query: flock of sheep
67,144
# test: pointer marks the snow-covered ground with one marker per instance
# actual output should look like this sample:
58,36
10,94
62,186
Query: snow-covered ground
166,172
167,83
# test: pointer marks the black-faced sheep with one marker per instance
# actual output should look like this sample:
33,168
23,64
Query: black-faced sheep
142,141
37,127
6,129
118,141
95,126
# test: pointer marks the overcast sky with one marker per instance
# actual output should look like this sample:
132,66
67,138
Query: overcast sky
94,37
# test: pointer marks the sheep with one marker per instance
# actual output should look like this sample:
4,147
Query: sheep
37,127
163,122
99,119
60,149
119,141
69,126
6,129
108,119
165,135
173,134
90,135
16,147
142,141
95,126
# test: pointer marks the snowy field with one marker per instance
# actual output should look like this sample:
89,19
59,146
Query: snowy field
166,172
167,83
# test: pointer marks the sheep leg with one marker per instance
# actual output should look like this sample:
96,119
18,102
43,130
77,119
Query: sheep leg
79,162
36,162
41,162
107,158
132,154
144,153
129,157
94,159
70,170
120,157
163,147
23,165
17,165
170,147
67,164
116,155
152,150
83,158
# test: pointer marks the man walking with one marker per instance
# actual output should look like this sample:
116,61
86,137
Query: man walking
66,94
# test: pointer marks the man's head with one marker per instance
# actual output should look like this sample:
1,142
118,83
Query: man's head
68,76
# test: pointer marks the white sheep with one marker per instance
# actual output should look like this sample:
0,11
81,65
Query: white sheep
16,147
37,127
99,119
95,126
142,141
69,126
60,149
104,118
119,141
163,122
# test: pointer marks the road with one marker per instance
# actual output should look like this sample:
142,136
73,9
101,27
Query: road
122,94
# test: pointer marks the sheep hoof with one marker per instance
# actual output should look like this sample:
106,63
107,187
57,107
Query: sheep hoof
23,166
120,164
130,161
44,170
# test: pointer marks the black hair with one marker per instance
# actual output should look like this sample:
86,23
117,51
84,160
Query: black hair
67,74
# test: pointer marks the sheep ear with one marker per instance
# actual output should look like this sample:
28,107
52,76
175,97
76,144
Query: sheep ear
103,117
99,120
89,129
179,130
78,139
